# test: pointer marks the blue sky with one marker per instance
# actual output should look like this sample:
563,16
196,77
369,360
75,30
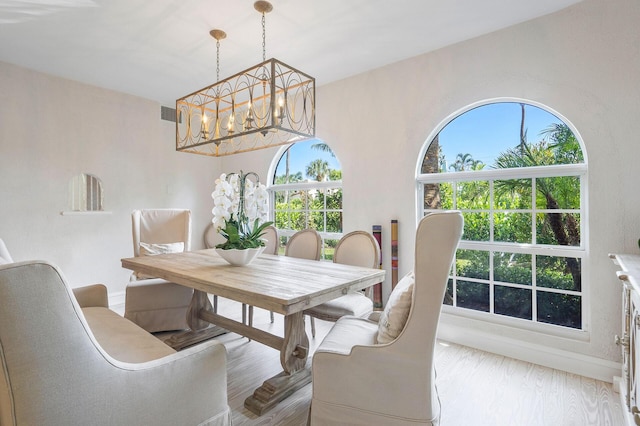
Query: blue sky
483,132
302,155
486,131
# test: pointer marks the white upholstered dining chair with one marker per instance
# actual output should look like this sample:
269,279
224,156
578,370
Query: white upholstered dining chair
152,303
272,246
305,244
363,374
211,239
357,248
59,366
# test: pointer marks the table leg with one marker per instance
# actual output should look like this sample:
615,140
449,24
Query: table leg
293,357
200,330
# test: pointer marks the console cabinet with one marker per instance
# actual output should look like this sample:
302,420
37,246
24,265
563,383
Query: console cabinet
629,340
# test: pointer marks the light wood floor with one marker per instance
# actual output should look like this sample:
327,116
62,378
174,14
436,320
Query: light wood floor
476,388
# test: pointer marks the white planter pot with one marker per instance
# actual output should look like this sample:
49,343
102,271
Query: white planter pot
240,257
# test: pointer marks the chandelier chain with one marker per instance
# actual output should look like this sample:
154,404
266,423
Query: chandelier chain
264,37
217,60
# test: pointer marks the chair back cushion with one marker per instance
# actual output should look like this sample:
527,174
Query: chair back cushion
358,248
273,241
305,244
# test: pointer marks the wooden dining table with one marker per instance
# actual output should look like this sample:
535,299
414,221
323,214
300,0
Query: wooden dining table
280,284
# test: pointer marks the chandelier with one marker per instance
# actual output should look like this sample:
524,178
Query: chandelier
267,105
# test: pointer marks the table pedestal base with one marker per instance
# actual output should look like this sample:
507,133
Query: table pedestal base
276,389
188,338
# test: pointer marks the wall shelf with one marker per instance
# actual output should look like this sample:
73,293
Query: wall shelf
86,213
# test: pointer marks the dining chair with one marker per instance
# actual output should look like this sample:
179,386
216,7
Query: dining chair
362,373
272,246
357,248
211,239
152,303
305,244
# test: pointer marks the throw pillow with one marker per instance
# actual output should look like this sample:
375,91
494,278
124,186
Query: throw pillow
147,249
394,317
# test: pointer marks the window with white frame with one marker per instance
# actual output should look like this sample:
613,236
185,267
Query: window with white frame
518,175
306,191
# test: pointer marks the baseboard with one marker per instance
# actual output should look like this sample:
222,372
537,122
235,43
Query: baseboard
559,359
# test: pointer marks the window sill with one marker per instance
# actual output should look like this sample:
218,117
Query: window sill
496,322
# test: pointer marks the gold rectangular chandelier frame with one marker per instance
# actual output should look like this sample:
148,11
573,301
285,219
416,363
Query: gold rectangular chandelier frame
267,105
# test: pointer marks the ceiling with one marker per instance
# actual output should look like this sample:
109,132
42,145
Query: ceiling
161,49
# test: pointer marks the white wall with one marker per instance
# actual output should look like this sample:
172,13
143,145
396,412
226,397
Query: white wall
52,129
582,62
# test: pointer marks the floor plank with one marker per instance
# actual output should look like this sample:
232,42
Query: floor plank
475,387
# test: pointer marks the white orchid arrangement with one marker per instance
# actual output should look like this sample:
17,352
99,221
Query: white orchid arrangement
240,209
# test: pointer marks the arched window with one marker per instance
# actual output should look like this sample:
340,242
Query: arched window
306,188
518,174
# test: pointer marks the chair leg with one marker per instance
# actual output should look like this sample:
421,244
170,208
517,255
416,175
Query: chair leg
244,313
215,304
250,315
271,313
313,327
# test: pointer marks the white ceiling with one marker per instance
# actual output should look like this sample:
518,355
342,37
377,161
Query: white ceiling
161,49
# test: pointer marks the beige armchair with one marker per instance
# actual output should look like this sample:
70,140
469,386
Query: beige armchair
155,304
55,369
357,248
358,381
